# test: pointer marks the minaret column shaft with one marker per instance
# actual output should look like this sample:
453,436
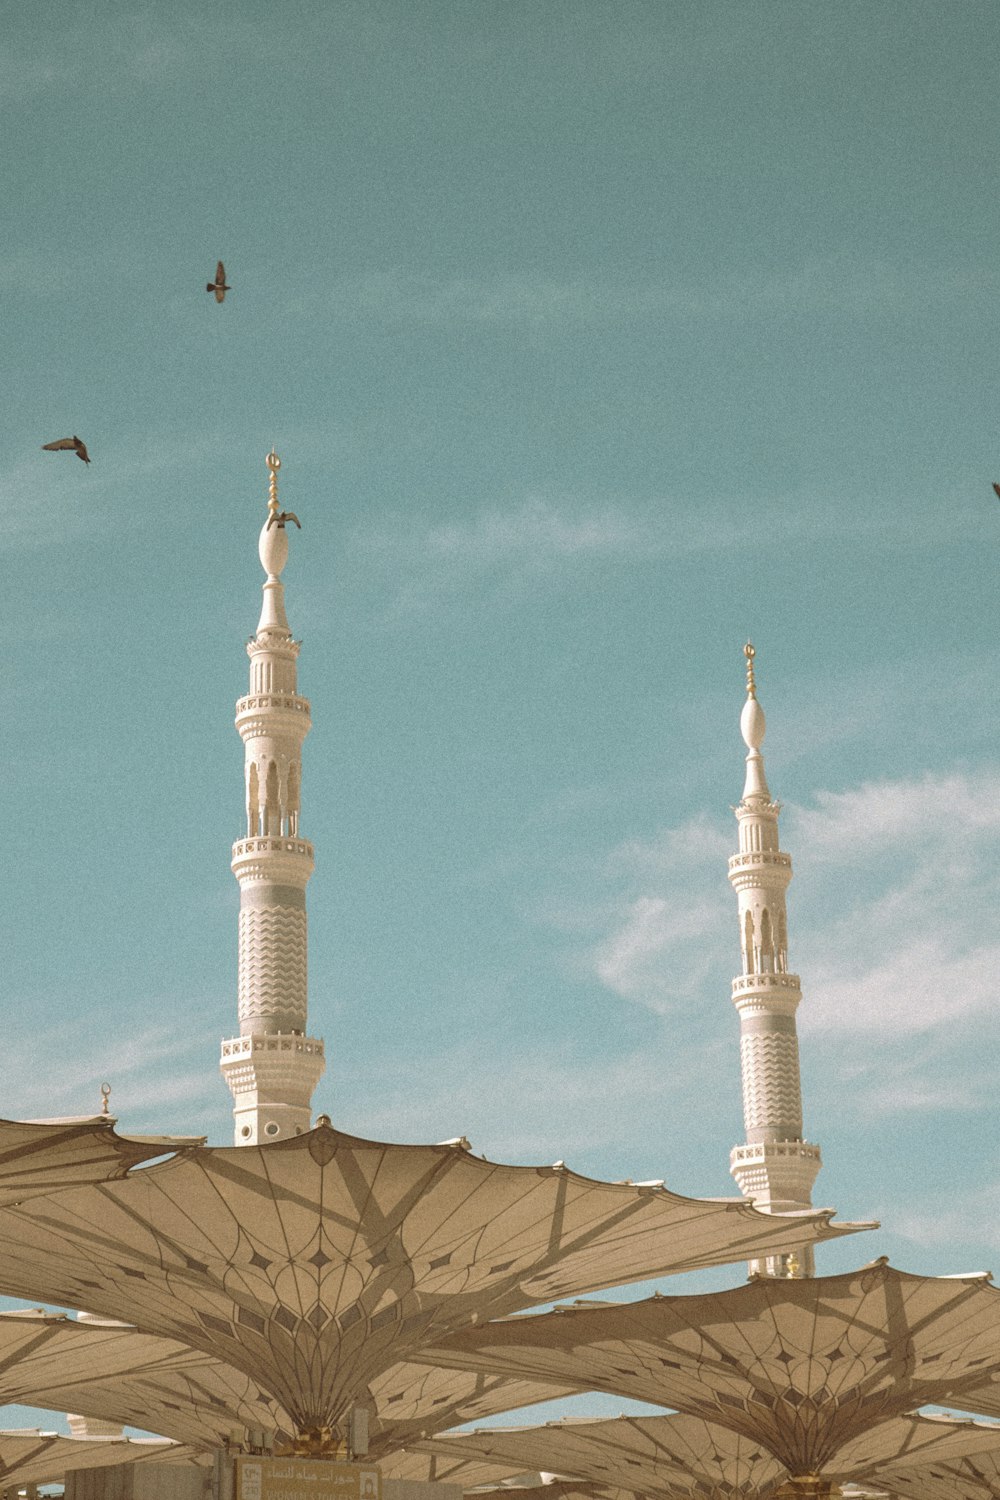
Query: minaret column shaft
776,1168
272,1067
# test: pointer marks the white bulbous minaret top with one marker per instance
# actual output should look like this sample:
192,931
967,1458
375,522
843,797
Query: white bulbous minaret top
272,549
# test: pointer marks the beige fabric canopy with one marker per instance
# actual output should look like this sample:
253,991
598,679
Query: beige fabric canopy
555,1489
315,1263
679,1457
984,1400
976,1477
116,1373
28,1456
802,1367
914,1441
412,1401
439,1468
960,1462
42,1156
671,1457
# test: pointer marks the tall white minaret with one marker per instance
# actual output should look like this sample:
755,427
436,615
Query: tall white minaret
272,1067
776,1168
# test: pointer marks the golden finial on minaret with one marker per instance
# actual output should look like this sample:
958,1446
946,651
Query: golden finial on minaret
750,653
274,464
105,1096
274,516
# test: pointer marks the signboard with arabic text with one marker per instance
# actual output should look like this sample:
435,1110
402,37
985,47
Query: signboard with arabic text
305,1479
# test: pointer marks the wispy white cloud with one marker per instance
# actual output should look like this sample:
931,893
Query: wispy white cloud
915,987
660,952
892,932
538,530
908,869
835,283
60,500
504,548
964,1215
148,1068
699,843
537,1107
945,811
552,535
661,934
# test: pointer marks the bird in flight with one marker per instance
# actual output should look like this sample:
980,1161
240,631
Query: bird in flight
218,286
73,443
996,490
279,521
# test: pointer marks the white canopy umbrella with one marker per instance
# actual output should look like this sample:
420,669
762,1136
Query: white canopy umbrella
315,1263
29,1456
799,1366
110,1371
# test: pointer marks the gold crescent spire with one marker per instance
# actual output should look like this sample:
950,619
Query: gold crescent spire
274,464
750,653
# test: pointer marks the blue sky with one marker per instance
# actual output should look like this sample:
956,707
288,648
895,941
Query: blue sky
594,338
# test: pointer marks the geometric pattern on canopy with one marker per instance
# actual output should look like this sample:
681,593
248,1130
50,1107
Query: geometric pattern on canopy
976,1477
28,1456
556,1489
677,1457
114,1372
942,1459
984,1400
412,1401
314,1263
438,1468
802,1366
42,1156
914,1442
671,1457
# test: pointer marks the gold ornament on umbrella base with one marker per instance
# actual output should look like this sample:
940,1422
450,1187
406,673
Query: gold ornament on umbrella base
314,1442
807,1487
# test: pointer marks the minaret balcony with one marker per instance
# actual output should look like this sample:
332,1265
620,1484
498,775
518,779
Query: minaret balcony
777,1175
760,857
760,867
287,1043
775,993
270,713
275,857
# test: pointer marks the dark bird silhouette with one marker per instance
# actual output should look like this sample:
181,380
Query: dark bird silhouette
218,286
996,490
73,443
279,521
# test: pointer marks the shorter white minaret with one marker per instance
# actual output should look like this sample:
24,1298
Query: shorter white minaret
272,1067
776,1168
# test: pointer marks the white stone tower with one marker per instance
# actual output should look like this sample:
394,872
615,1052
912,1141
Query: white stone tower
776,1168
272,1067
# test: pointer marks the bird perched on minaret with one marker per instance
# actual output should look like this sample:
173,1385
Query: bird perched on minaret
73,444
279,521
218,286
